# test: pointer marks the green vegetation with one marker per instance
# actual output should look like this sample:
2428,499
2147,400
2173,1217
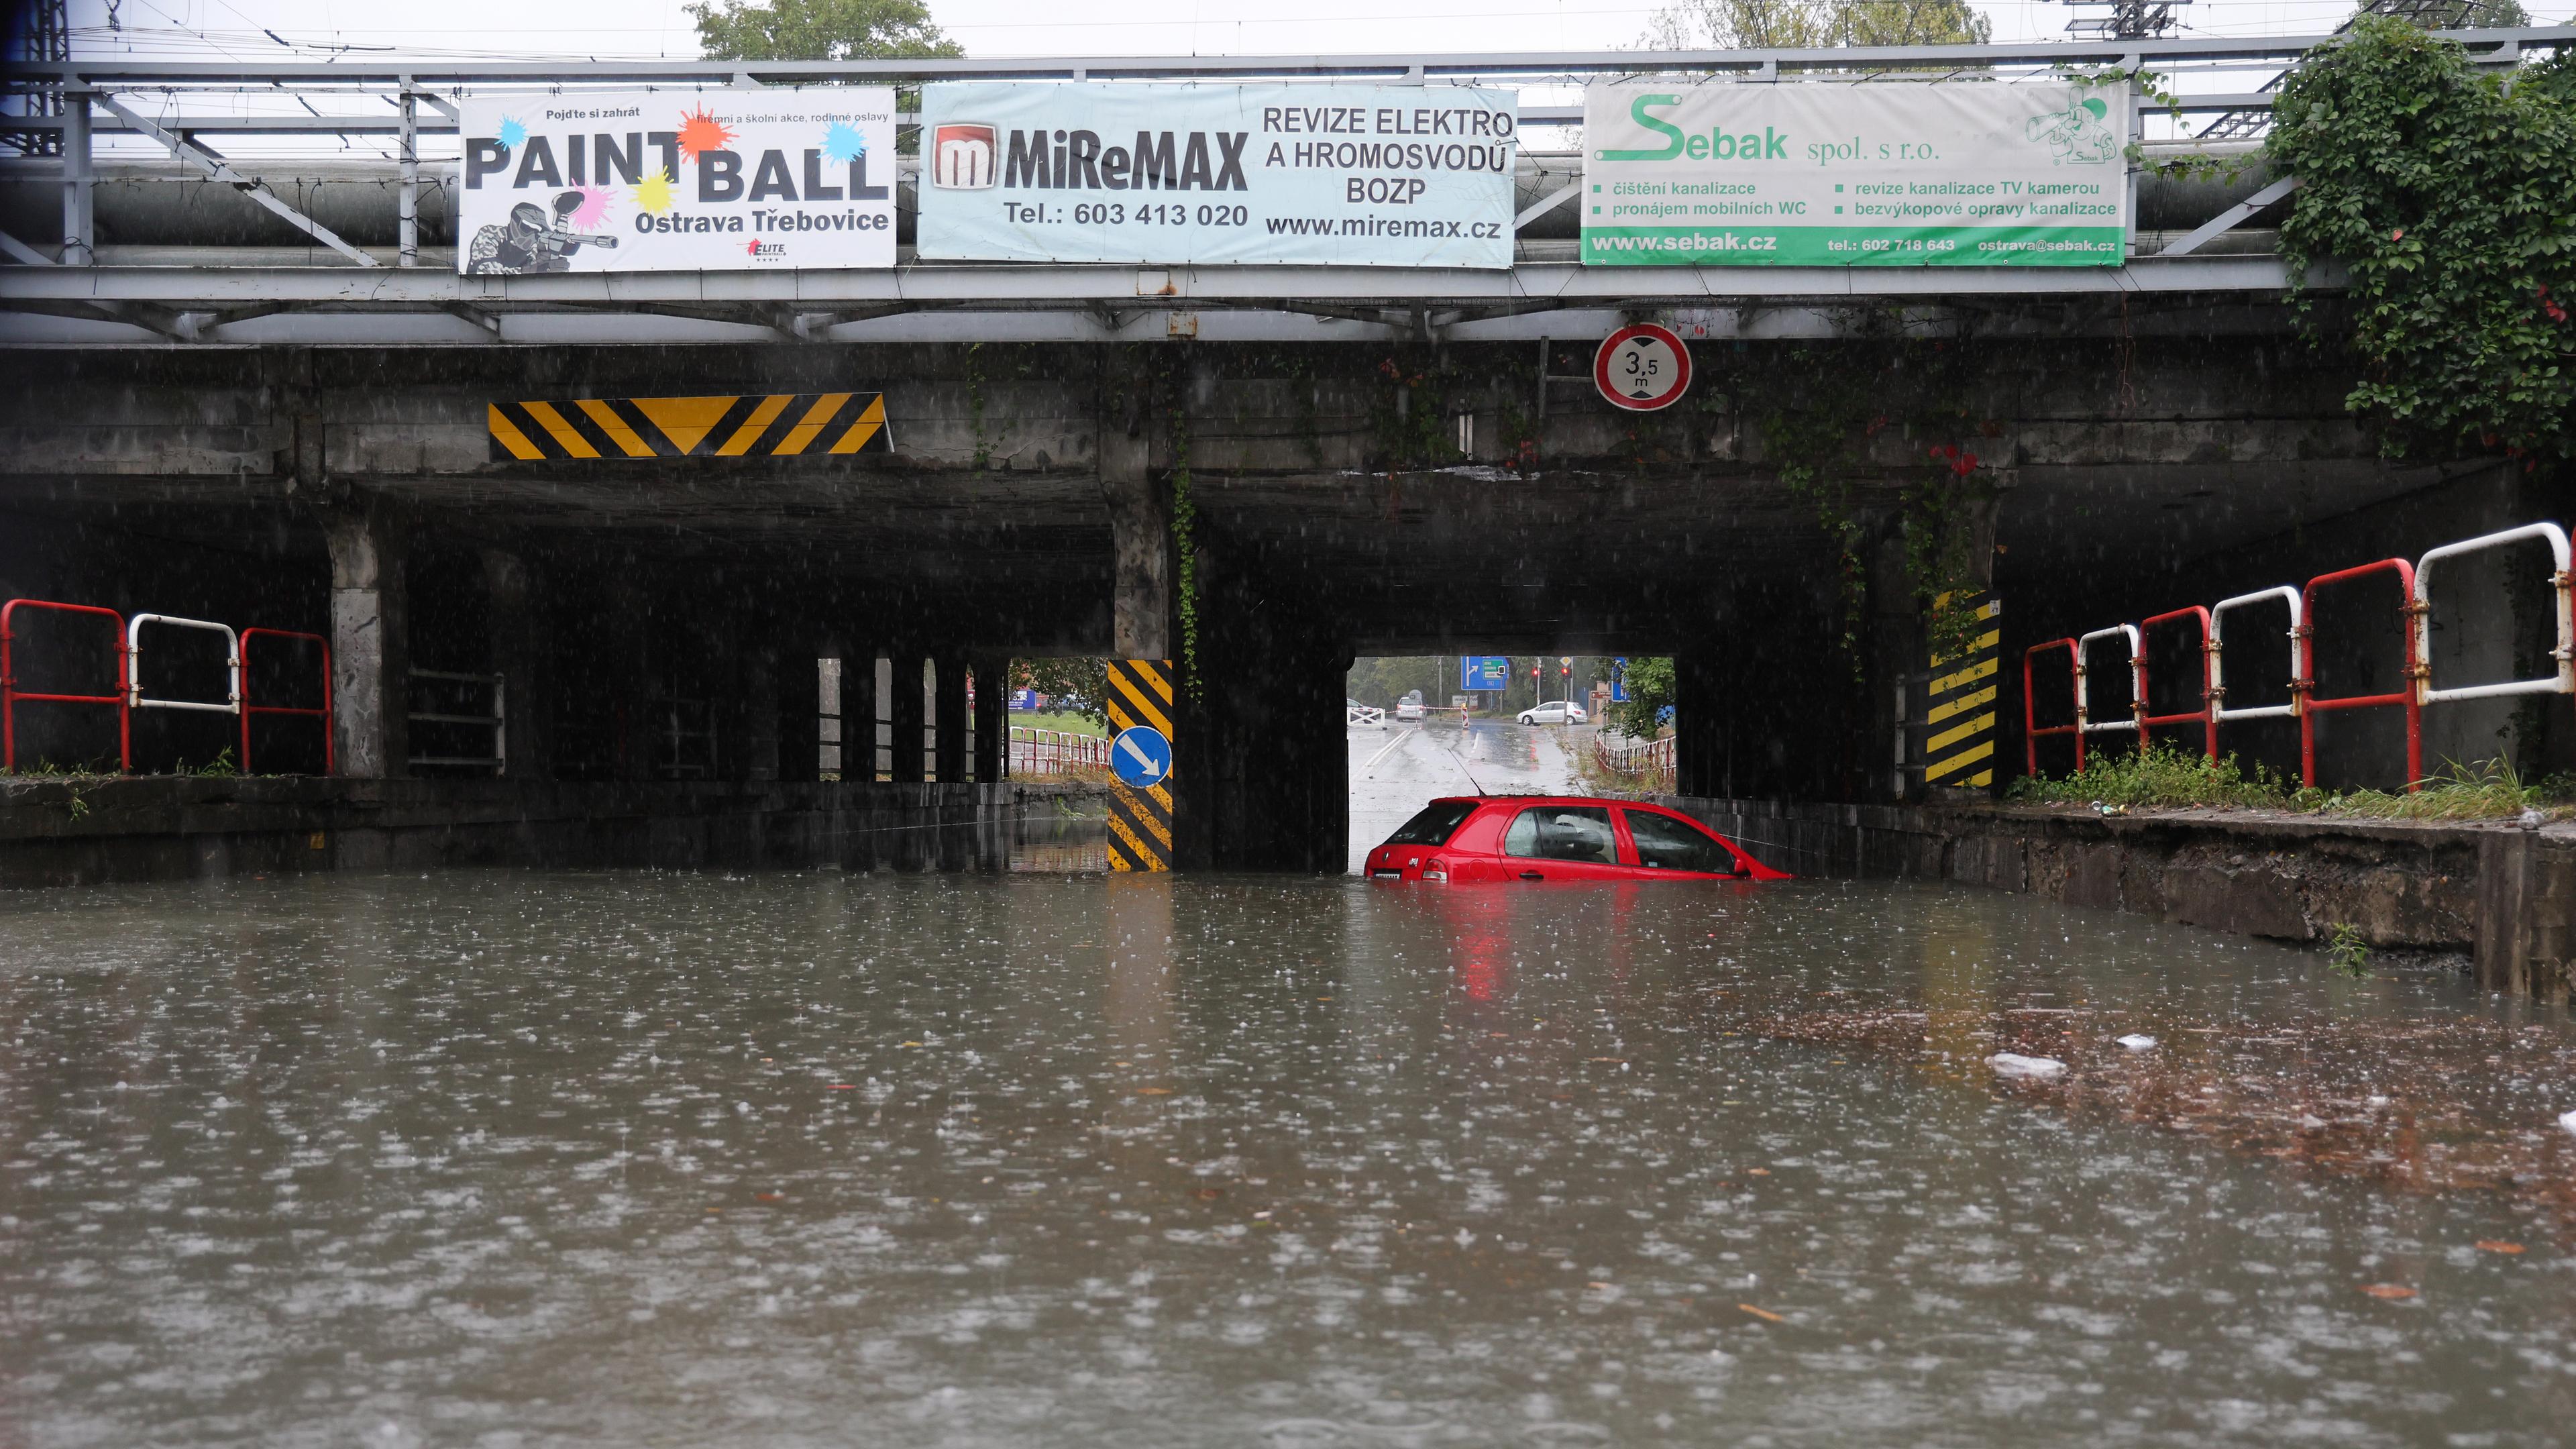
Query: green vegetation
2171,778
2449,195
2349,950
1814,24
1650,693
1065,722
819,30
1076,689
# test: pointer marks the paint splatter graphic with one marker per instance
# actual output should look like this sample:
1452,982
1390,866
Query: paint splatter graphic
595,202
843,144
653,193
512,133
701,133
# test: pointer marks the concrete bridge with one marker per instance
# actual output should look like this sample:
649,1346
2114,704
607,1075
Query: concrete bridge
213,414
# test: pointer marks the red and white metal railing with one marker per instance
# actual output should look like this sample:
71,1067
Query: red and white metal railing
126,646
1054,752
2414,609
250,710
1649,762
11,696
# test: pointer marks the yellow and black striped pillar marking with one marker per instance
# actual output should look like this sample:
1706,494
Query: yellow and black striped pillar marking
1140,820
1959,723
728,425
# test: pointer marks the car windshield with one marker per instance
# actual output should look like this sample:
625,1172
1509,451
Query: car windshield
1435,824
1665,843
1562,832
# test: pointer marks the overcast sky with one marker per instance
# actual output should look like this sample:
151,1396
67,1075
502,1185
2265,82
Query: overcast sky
254,30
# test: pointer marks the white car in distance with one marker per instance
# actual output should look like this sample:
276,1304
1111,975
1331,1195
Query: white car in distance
1555,712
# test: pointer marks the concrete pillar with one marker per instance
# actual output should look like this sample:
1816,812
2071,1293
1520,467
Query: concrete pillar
948,728
512,620
757,755
1140,614
799,704
1897,668
858,712
992,715
1700,718
906,714
370,654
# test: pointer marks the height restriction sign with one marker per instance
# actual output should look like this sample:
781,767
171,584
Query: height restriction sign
1642,368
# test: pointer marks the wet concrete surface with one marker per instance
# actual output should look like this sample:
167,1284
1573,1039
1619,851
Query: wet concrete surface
498,1158
1397,769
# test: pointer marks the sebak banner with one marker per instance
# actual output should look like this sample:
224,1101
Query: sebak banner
1825,175
637,181
1367,175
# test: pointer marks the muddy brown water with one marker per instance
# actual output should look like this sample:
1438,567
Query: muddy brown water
618,1158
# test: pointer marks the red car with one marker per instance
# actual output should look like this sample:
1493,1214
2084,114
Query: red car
1558,837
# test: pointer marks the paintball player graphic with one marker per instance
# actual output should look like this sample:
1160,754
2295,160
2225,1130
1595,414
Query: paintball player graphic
2077,132
527,243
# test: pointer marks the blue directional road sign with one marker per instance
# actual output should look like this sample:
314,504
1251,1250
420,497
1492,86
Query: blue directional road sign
1484,671
1141,756
1619,680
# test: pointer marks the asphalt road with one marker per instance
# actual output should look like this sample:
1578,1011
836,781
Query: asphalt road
1396,769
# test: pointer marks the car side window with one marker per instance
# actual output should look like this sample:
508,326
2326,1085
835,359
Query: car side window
1563,832
1665,843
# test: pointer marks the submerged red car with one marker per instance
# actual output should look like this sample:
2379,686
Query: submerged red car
1556,837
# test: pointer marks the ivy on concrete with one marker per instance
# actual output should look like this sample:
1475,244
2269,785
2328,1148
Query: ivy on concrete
2449,196
1823,410
1185,519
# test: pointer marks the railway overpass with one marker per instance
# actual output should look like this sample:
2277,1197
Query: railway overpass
249,384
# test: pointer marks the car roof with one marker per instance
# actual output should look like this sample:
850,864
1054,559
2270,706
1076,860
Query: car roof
1545,800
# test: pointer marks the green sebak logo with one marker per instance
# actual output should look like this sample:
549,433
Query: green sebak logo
1719,144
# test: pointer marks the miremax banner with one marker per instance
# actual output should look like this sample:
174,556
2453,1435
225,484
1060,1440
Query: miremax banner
1889,174
633,181
1398,176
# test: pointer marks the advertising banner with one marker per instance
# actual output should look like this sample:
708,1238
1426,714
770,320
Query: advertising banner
1396,176
1888,174
648,181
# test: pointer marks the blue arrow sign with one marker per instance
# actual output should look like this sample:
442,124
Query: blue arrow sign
1140,756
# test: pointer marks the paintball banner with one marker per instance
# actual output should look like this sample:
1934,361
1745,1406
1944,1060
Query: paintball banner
641,181
1825,175
1324,174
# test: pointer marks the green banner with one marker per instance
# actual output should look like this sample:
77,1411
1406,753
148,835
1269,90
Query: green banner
1856,174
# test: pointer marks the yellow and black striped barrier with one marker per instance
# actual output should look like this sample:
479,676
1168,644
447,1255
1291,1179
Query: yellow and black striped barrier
1140,814
727,425
1959,722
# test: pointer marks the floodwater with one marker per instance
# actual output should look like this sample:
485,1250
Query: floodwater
1398,767
488,1158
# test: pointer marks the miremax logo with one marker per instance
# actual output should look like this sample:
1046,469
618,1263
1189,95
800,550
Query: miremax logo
1718,145
961,156
971,156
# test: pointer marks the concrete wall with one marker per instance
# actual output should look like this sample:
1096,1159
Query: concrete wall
2502,896
86,831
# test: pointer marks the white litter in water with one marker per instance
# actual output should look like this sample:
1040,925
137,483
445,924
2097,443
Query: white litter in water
2567,1120
2136,1042
2009,1064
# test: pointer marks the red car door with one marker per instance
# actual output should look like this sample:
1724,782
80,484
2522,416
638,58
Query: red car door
1562,842
1666,846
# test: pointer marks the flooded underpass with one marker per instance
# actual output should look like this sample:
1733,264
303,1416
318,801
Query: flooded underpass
528,1158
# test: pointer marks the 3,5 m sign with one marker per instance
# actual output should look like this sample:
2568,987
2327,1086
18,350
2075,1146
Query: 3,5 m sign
1886,174
1411,176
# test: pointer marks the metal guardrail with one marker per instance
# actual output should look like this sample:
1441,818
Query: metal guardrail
1649,762
1035,752
2414,609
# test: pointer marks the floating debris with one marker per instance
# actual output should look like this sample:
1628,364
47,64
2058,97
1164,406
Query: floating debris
2137,1042
2014,1064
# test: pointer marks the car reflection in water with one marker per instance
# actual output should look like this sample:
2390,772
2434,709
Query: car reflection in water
1557,838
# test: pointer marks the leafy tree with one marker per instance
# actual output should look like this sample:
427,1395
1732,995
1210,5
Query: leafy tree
1076,686
2450,198
1816,24
1650,693
820,30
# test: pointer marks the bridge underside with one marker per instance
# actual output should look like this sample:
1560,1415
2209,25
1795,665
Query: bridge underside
661,616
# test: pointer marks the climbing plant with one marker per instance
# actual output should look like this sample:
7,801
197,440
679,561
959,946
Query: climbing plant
1185,517
2449,196
1818,412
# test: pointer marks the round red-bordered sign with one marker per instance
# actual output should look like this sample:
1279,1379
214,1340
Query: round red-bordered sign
1642,368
